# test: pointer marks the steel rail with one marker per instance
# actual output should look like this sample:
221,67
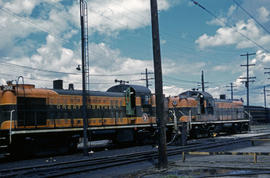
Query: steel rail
90,164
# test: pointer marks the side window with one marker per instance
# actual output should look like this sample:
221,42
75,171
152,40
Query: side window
210,107
145,99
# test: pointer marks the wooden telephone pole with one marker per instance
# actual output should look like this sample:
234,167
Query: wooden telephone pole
248,79
162,149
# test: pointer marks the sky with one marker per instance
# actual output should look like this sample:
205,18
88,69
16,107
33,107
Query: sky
40,40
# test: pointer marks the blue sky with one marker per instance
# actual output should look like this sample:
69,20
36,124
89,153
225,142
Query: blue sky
40,40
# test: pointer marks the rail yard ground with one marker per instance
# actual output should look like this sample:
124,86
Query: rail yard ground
219,165
194,165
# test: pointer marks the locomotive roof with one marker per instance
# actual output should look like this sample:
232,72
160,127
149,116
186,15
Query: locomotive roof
194,94
140,90
91,93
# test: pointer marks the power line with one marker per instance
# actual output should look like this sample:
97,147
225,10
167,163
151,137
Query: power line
246,37
23,19
47,80
168,35
180,80
38,69
67,73
251,16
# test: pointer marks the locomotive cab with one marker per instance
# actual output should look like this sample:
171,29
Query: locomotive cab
131,93
206,104
130,102
204,107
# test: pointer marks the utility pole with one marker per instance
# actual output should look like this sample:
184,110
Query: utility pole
202,83
264,93
202,78
162,149
231,89
248,77
146,77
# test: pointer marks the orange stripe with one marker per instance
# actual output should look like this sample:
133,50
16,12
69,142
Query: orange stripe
78,122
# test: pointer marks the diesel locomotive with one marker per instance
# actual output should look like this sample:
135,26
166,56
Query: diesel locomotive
34,119
207,115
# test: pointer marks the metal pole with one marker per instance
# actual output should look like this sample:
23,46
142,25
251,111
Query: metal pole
146,78
247,84
231,91
162,149
264,96
202,82
84,112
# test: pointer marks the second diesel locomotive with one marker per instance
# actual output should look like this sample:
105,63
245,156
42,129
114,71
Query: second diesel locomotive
206,115
33,119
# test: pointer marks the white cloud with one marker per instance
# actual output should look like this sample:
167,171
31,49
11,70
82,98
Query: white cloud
182,66
109,17
162,42
231,36
172,90
21,6
220,21
231,10
12,29
263,14
57,23
221,68
261,60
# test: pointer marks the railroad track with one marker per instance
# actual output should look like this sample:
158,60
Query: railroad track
91,164
260,130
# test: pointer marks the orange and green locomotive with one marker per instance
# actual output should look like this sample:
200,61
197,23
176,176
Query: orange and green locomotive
33,119
44,117
207,115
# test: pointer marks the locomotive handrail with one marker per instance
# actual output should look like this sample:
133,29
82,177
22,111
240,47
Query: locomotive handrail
17,85
10,126
249,115
190,120
182,113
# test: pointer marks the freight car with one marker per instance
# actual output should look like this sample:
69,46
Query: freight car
259,114
206,115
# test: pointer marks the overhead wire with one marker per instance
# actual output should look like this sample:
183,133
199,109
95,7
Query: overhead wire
173,39
251,16
28,21
31,68
44,30
47,80
243,35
